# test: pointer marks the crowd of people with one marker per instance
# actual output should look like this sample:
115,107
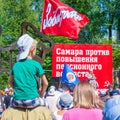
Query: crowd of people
25,99
81,104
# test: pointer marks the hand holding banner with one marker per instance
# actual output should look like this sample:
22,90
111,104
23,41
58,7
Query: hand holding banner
61,20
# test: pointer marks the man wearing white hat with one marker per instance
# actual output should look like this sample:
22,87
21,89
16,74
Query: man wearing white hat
24,75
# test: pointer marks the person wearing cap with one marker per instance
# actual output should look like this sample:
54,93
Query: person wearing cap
51,98
64,103
111,110
87,105
25,73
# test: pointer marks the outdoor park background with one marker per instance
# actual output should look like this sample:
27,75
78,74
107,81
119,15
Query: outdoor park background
103,27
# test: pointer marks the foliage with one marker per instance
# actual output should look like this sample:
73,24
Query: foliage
3,80
12,14
104,17
115,53
116,56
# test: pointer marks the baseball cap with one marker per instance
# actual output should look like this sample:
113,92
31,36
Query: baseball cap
24,43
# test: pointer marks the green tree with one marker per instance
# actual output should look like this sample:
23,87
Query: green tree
15,12
12,14
116,57
104,16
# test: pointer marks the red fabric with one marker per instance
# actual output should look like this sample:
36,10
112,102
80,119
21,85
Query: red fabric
61,20
83,57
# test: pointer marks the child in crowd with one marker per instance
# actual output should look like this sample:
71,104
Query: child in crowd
87,105
24,75
64,102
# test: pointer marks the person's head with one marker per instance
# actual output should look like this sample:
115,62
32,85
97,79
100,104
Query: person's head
85,96
90,70
65,101
26,47
110,87
10,91
6,91
103,93
93,83
114,92
51,91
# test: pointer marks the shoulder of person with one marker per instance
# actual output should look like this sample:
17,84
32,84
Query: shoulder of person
36,62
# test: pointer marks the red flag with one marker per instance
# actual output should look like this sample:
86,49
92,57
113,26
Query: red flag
61,20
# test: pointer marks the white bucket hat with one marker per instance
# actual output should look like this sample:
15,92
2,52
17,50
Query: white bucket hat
65,101
24,43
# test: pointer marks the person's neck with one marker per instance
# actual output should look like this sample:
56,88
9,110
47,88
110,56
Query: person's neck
61,112
29,57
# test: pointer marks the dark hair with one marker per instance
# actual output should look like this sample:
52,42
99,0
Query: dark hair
114,92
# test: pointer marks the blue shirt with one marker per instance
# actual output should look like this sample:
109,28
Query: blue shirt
111,109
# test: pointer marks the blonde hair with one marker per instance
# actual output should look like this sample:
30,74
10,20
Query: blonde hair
34,43
85,96
32,48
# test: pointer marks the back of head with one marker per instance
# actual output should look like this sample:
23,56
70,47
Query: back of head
65,101
51,91
85,96
6,90
90,70
110,87
114,92
24,43
103,93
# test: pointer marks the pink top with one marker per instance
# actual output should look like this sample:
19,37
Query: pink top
83,114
